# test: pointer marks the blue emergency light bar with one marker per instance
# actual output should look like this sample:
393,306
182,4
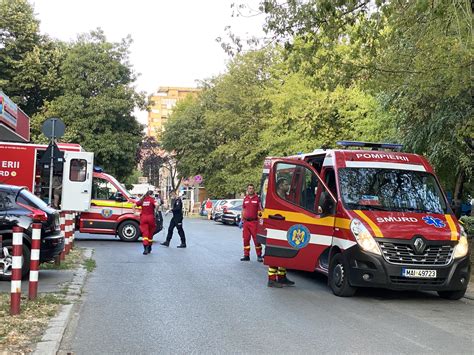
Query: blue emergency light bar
374,146
98,169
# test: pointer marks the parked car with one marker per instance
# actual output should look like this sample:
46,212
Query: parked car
202,209
217,209
232,214
226,206
19,207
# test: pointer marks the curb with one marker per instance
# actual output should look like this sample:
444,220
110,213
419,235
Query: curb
51,340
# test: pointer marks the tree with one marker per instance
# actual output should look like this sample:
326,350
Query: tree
216,135
29,62
97,103
151,159
415,56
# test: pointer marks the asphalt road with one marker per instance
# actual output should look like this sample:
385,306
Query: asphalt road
203,299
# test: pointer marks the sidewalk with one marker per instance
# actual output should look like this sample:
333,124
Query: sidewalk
49,281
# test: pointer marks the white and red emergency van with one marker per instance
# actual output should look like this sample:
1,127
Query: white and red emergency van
367,217
105,206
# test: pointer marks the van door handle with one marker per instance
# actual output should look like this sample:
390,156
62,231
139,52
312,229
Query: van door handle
276,216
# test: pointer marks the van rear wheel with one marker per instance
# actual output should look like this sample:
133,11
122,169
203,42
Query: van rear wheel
129,231
452,295
338,277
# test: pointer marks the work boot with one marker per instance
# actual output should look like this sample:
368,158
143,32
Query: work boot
274,283
145,249
284,281
259,259
181,246
166,243
245,258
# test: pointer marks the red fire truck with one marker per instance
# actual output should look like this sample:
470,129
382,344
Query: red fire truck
105,206
365,218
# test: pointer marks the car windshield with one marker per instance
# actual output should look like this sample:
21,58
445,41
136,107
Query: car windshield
390,190
115,181
31,200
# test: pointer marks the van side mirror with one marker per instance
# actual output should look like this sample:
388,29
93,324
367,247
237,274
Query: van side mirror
119,197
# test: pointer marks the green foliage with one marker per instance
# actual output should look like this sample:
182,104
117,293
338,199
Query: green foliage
258,109
415,57
97,103
29,62
468,224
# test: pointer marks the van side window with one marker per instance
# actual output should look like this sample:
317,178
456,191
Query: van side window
78,170
103,190
296,184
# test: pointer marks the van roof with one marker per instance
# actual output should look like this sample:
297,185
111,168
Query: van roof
342,158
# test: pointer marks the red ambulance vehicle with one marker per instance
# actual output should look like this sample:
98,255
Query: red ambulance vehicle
105,206
374,217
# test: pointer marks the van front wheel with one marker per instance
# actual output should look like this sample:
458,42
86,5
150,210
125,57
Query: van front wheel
338,277
129,231
452,295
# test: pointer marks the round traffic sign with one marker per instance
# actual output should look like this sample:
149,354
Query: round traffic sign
53,128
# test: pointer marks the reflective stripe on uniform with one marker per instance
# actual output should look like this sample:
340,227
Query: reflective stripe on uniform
272,271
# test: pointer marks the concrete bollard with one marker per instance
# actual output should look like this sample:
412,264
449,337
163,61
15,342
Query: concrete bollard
62,224
34,263
16,271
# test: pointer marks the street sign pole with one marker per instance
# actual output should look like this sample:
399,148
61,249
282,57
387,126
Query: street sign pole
51,166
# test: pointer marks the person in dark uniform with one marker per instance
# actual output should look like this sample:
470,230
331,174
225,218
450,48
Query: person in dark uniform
147,220
176,221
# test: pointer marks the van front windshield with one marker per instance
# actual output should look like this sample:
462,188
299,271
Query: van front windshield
390,190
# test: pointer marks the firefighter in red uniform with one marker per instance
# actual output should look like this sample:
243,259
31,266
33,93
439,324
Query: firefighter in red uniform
250,208
147,220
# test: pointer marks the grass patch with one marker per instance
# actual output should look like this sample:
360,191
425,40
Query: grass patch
90,264
72,261
19,334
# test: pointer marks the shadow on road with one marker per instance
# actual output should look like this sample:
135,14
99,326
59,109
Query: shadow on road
371,293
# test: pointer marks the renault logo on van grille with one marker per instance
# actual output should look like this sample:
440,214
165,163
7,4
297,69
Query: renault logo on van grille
419,245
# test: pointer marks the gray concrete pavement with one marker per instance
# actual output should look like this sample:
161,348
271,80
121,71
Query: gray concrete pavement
203,299
49,281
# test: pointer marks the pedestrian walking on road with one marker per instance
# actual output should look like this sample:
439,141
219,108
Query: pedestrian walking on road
250,208
147,220
209,208
176,221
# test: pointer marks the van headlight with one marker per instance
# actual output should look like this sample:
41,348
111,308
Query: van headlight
363,237
462,247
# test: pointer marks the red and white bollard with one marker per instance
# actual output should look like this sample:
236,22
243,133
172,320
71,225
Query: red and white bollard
62,224
16,270
67,231
73,228
34,263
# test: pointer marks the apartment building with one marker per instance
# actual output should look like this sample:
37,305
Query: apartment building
161,107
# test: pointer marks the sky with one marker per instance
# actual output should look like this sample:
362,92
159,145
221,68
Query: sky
173,41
